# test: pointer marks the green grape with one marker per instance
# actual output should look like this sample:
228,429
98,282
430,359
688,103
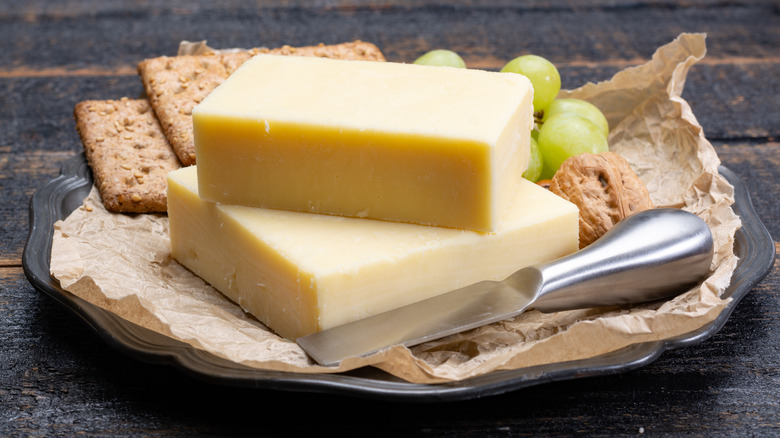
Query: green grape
534,164
441,57
577,106
566,135
535,134
543,75
547,173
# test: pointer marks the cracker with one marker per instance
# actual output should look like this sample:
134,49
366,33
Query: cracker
356,50
174,85
127,152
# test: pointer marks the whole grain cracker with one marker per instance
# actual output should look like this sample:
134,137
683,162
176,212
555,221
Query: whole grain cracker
127,152
356,50
174,85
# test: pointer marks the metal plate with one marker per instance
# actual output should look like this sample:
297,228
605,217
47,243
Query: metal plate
60,196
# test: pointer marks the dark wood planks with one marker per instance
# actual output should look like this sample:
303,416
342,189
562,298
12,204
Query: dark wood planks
98,37
758,165
36,113
20,175
57,377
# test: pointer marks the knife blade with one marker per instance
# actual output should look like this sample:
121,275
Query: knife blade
648,256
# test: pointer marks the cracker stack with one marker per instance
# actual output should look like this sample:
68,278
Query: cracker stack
131,144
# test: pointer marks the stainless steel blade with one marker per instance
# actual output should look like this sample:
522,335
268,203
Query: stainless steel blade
647,256
462,309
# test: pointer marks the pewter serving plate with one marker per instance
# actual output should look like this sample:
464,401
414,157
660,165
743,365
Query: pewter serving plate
60,196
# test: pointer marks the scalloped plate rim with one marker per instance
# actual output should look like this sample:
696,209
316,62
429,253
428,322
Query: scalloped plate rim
61,195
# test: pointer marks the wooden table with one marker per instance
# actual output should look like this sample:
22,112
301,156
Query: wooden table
58,378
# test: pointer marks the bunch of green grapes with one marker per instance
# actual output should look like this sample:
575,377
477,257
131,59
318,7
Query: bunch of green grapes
563,128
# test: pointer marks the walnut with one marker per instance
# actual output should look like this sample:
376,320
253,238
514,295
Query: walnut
604,188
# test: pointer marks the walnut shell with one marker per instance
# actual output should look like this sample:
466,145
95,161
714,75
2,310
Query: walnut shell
605,189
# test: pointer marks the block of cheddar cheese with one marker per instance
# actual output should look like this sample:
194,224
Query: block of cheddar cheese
399,142
300,273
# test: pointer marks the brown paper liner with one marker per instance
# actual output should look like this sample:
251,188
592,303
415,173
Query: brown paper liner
122,263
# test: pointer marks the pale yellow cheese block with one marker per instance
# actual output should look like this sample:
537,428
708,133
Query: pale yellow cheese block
400,142
300,273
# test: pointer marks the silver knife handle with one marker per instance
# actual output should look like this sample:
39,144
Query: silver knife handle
647,256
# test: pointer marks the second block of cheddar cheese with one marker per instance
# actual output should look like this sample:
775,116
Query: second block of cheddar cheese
300,273
421,144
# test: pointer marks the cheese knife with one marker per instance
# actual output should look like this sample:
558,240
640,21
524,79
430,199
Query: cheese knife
648,256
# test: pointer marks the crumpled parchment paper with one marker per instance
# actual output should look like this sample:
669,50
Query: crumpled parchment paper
122,262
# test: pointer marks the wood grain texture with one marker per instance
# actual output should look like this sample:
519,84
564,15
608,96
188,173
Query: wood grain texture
58,378
108,37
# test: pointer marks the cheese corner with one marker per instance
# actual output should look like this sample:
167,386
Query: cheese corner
300,273
399,142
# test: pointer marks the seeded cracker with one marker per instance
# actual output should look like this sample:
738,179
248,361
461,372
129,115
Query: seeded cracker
357,50
176,84
127,152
